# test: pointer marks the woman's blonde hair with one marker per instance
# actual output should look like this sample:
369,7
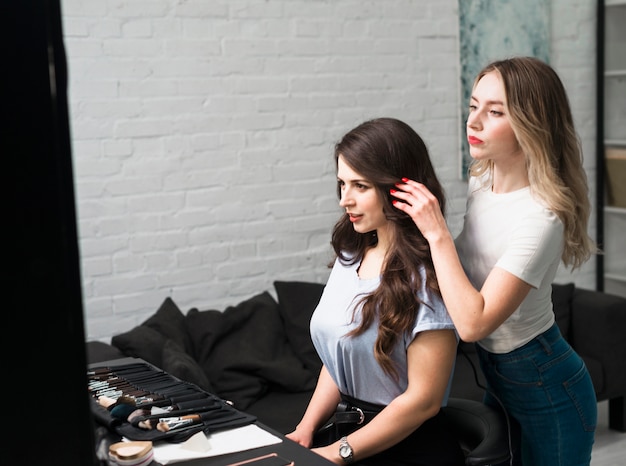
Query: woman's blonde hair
540,116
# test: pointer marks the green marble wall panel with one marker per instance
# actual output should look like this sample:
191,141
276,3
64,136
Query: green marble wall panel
495,29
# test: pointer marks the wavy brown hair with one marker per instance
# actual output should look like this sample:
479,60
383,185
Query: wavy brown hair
539,112
384,151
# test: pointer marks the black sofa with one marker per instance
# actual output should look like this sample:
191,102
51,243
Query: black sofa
258,354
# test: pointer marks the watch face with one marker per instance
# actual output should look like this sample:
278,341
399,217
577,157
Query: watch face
345,450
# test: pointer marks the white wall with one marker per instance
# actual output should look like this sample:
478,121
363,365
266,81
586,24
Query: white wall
203,133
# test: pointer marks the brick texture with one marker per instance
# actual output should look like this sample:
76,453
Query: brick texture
203,134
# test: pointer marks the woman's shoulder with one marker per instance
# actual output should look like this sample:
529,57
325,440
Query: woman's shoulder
536,209
346,259
344,265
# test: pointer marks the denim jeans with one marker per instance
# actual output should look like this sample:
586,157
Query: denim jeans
548,394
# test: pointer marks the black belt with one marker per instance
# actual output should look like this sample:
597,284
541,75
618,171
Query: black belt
353,411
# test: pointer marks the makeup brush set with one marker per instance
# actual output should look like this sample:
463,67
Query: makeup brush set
143,403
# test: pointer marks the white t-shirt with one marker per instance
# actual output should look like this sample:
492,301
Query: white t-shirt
515,232
350,360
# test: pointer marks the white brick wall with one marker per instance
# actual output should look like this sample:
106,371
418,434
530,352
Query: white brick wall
203,133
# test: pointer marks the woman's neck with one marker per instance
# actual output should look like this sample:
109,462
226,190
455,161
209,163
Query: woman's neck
510,177
372,262
374,258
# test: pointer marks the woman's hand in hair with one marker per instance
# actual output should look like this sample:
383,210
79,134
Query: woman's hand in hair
423,208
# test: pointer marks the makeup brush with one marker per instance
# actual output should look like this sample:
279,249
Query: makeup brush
170,423
122,411
138,413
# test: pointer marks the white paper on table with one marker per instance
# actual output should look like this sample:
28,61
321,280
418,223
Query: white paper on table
200,445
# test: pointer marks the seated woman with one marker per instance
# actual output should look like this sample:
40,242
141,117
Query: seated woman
382,332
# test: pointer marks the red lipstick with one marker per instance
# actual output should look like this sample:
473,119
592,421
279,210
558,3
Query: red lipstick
474,140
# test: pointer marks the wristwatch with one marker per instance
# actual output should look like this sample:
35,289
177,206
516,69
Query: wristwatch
345,450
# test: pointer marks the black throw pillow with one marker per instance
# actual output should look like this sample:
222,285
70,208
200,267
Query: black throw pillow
244,351
562,296
180,364
146,341
169,321
141,342
296,303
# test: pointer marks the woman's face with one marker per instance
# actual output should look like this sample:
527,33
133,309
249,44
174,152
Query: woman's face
489,131
360,199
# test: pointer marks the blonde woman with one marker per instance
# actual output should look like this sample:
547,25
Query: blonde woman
527,210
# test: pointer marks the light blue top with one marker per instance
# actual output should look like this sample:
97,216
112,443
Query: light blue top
350,360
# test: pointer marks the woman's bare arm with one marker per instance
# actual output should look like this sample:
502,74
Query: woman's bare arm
476,313
431,357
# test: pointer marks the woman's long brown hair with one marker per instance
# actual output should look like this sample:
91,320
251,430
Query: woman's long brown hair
384,151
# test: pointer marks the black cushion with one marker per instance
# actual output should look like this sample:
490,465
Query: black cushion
296,303
98,351
180,364
169,321
141,342
146,341
162,340
244,351
562,296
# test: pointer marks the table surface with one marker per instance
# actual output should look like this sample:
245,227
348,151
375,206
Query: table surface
286,449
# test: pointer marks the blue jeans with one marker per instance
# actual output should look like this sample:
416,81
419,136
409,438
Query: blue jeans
547,391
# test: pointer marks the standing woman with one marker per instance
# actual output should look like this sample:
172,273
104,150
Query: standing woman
527,210
387,344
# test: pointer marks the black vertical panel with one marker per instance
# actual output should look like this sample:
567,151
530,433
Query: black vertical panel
44,377
600,171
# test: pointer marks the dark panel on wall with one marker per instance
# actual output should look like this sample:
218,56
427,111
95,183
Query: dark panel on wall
43,332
